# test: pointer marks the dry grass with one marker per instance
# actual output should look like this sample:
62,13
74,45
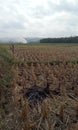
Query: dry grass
59,111
46,53
54,112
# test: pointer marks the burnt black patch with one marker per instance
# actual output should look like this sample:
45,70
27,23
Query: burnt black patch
37,94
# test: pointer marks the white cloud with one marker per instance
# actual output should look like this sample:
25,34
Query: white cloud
47,18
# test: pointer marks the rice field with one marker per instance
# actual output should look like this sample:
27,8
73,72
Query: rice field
44,87
46,53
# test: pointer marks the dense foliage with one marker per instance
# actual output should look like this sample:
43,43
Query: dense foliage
60,40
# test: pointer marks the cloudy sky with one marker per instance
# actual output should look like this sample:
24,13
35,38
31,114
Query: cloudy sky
38,18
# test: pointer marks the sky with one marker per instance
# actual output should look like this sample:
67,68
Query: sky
38,18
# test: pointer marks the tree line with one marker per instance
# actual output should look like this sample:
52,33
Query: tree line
60,40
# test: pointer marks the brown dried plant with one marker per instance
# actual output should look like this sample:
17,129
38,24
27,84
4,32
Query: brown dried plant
61,112
25,111
50,125
25,116
76,126
12,48
63,91
44,110
76,90
38,68
76,111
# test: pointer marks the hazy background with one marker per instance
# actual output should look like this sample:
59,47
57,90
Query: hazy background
38,18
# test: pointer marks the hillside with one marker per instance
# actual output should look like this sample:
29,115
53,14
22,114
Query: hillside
13,40
33,39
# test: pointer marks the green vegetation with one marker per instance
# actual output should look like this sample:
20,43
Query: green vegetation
5,79
6,45
60,40
5,65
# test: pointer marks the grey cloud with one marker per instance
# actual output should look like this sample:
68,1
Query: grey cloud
52,8
64,6
12,25
27,17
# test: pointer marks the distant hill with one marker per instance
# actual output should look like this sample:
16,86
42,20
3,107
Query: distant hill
13,40
60,40
33,40
39,40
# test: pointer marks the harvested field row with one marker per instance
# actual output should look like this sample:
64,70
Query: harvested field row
45,53
59,109
43,96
